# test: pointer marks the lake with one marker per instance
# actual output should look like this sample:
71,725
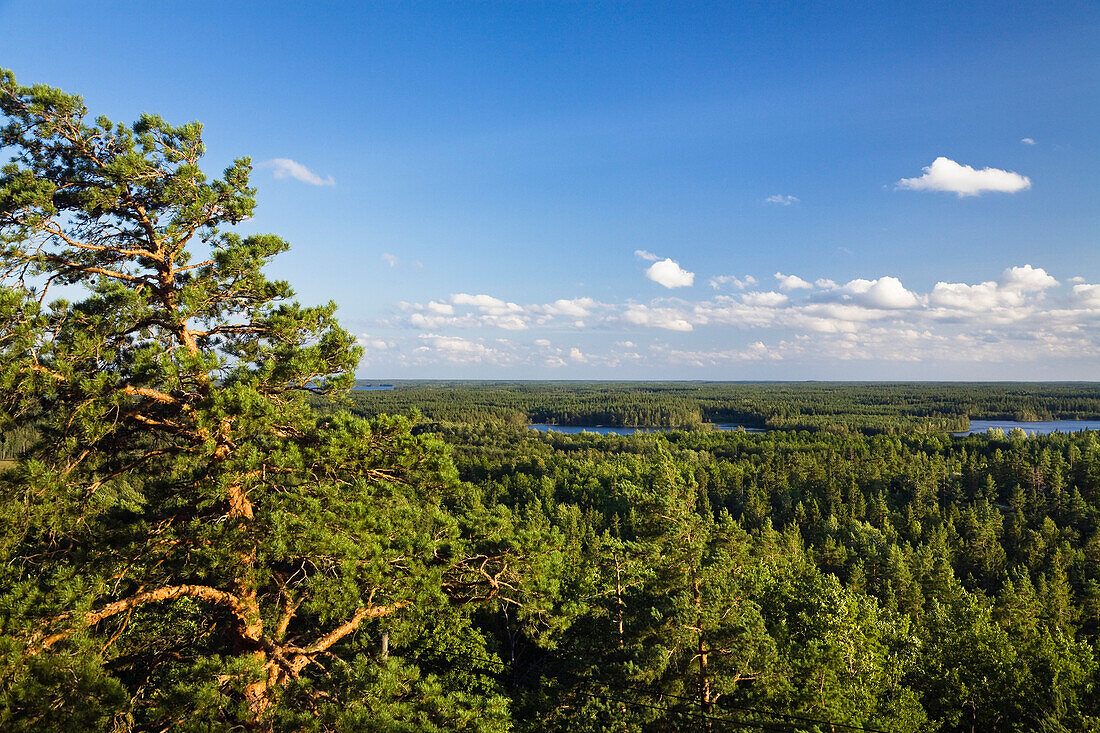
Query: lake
1041,427
603,430
976,427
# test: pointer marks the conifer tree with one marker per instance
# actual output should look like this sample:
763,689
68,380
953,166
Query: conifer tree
186,543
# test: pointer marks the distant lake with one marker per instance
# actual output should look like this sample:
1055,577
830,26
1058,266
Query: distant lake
977,427
1042,428
602,430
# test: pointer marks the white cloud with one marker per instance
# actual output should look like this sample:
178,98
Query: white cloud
981,297
1027,141
389,259
669,274
1009,293
459,350
781,199
886,292
769,299
667,318
739,283
480,300
575,308
791,282
283,168
576,355
442,309
1088,295
647,256
1027,279
487,304
373,344
946,175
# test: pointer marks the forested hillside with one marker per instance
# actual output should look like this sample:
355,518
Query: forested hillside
837,407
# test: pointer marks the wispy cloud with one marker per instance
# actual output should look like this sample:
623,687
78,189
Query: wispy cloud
671,319
782,199
769,299
647,256
389,259
740,283
668,273
284,168
946,175
1027,141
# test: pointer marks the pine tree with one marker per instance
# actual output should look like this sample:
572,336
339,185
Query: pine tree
186,542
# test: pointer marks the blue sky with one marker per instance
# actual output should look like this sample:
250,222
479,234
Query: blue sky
622,190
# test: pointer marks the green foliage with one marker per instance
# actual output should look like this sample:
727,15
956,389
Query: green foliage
184,542
917,582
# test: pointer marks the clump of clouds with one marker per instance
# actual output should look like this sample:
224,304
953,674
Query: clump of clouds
373,344
1027,141
946,175
1088,295
1025,314
740,283
1027,279
441,309
670,319
454,348
886,293
284,168
668,273
792,282
769,299
573,307
1009,292
781,199
979,297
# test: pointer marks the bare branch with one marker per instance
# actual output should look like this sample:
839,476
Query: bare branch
202,592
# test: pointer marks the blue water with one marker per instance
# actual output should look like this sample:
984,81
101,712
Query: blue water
977,427
602,430
1033,428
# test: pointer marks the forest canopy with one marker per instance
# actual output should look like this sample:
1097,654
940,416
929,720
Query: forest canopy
873,407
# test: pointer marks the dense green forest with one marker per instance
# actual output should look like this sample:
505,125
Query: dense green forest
203,529
837,407
919,582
